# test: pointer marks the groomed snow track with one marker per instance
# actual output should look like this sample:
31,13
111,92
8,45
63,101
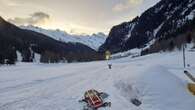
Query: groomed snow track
157,80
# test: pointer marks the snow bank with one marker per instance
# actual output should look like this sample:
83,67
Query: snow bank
158,89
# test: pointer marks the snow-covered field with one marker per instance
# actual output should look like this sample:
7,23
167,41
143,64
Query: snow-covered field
157,80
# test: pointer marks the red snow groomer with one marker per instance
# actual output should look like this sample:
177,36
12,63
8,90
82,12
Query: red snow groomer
95,100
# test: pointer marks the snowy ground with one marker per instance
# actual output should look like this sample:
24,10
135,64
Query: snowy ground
157,80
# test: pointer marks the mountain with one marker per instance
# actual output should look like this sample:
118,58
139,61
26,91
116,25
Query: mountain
28,43
94,41
165,20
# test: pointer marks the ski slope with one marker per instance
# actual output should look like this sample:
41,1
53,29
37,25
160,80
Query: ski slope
157,80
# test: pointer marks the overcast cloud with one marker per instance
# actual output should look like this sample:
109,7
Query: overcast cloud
33,19
84,16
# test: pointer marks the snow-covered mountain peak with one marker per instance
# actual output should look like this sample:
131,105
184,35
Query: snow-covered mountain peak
93,41
161,21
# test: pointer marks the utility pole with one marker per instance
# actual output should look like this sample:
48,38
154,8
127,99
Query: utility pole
184,57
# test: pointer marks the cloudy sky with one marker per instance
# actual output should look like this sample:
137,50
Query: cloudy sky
76,16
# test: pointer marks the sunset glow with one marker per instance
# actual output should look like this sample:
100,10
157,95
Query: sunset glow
73,16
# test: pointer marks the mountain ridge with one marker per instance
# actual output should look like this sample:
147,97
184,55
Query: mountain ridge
93,41
13,38
164,18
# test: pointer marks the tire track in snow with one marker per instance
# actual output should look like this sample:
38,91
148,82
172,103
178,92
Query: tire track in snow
32,85
40,81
